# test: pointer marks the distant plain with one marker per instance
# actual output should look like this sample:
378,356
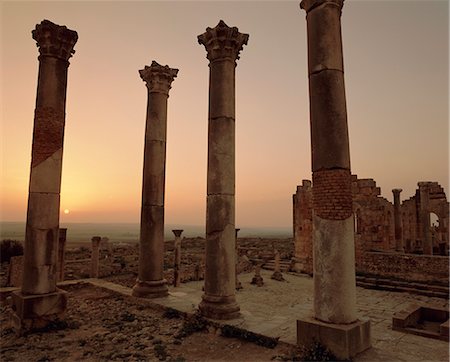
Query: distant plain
116,232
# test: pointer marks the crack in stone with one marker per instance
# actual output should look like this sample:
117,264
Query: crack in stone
324,69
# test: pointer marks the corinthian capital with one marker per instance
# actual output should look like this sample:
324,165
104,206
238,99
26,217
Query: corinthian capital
158,78
54,40
223,42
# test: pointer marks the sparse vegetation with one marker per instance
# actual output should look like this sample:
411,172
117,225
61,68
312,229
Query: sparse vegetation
318,352
9,248
193,324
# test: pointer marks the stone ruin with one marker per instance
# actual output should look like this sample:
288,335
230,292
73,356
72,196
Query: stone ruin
374,222
335,195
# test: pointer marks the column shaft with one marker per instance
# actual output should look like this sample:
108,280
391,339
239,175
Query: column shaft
427,243
151,282
39,301
398,221
41,237
333,234
223,45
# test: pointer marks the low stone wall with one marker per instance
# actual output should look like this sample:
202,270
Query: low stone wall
409,267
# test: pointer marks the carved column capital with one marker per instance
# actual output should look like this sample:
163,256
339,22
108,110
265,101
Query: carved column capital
223,42
54,40
397,191
309,5
158,78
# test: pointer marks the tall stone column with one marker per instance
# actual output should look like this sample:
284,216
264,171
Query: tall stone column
39,300
223,45
151,282
424,214
333,230
398,221
177,258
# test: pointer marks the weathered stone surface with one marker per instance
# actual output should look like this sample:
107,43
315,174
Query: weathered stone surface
334,271
15,271
398,221
151,245
324,35
328,114
39,298
221,158
37,311
222,90
223,45
343,340
151,282
333,223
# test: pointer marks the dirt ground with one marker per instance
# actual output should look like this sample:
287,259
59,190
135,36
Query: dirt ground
103,326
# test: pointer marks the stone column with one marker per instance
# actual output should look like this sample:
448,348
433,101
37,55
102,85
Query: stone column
398,221
277,275
177,258
223,45
150,282
95,256
238,284
39,298
425,225
61,253
333,229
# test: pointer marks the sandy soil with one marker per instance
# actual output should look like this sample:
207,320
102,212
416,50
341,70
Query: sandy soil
103,326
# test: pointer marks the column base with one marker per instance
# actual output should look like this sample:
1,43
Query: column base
277,276
37,311
150,289
217,307
343,340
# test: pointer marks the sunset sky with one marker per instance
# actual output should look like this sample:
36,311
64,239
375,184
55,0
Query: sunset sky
396,77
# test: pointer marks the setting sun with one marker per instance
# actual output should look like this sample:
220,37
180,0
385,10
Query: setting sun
66,211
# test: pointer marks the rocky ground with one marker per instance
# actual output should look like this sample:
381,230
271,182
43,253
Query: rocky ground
103,326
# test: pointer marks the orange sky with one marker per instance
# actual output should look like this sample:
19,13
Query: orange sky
396,73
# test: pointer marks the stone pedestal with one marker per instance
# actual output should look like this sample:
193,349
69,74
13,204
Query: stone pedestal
398,222
38,310
95,256
177,258
223,45
257,278
277,275
61,253
150,282
343,340
333,224
41,237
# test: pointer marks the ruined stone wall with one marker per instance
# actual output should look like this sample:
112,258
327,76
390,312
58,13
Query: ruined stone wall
374,221
303,205
425,268
413,227
374,216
